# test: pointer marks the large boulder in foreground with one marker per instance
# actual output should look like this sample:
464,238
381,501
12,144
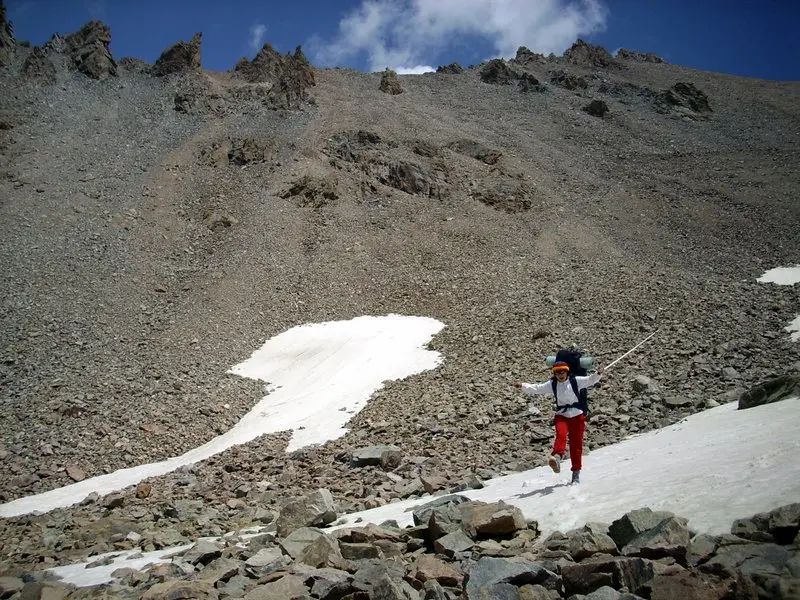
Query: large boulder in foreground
772,390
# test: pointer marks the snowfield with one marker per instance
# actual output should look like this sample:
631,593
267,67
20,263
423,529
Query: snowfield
713,467
320,375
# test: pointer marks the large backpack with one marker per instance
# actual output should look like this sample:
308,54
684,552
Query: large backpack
572,357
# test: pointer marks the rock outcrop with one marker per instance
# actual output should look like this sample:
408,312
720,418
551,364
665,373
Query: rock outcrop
686,98
568,80
7,41
451,69
648,57
588,55
89,50
289,77
38,67
390,83
181,58
497,72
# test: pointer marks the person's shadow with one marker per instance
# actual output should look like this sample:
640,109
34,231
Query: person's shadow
545,491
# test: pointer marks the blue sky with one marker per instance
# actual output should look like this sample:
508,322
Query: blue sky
742,37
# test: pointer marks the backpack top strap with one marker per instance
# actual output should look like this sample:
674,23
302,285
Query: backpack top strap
574,385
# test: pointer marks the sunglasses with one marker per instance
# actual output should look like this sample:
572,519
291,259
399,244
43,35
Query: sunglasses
561,373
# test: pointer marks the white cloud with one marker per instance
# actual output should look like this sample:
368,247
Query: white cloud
394,33
257,33
418,70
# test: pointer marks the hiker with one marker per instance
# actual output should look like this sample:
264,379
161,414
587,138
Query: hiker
570,419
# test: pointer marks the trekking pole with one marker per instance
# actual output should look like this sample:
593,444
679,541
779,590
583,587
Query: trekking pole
606,368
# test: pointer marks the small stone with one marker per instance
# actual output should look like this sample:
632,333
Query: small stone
75,473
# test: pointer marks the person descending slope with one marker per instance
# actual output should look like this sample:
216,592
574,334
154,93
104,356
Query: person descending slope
570,418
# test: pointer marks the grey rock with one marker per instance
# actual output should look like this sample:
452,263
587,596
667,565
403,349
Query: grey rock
322,552
631,524
451,544
422,514
296,542
669,538
586,543
9,586
491,577
772,390
316,509
288,587
480,518
203,552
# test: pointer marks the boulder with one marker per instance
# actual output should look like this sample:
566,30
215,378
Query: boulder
390,83
498,577
453,543
631,524
203,552
618,572
180,58
314,510
328,583
322,552
288,587
670,538
597,108
772,390
298,540
496,519
387,457
429,567
170,590
585,543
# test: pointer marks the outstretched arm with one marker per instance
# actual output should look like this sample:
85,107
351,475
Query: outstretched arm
534,389
589,380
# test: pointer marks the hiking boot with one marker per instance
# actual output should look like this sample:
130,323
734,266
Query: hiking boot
555,463
576,477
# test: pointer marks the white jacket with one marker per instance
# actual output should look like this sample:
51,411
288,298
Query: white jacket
565,395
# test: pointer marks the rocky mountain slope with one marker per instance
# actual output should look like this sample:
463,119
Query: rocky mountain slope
160,222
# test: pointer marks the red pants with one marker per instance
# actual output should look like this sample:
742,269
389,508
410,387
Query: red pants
573,427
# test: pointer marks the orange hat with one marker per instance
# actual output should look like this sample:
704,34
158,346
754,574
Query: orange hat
560,367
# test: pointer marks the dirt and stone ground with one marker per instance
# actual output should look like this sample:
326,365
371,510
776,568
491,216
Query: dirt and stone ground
155,230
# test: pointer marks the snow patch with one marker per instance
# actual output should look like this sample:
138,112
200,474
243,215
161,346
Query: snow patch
713,467
785,276
321,374
781,276
794,328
